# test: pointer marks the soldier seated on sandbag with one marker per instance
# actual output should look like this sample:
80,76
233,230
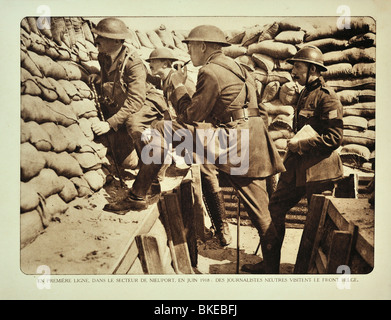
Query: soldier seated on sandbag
129,103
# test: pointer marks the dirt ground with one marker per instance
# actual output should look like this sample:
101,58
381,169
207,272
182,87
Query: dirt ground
86,240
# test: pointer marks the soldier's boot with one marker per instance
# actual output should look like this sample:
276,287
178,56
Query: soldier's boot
137,199
216,207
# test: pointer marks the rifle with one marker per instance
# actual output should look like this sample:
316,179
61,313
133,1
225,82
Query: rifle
108,139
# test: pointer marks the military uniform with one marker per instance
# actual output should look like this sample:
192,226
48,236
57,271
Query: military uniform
224,90
130,103
316,166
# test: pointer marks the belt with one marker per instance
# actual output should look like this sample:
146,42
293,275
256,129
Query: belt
240,114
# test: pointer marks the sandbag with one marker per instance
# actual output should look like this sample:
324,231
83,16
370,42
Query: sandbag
73,71
363,40
282,121
85,126
77,135
263,61
69,36
82,52
178,42
92,50
33,108
144,40
273,48
251,35
271,91
366,138
39,138
354,154
63,114
46,183
247,61
266,77
59,142
349,97
70,89
355,123
165,36
296,24
84,90
47,66
58,29
234,51
351,55
364,69
77,24
51,50
338,70
69,192
31,161
37,44
289,93
235,36
63,164
133,39
25,133
82,187
92,66
292,37
366,110
31,227
71,144
276,107
28,83
25,25
29,198
28,64
62,94
367,83
88,160
283,65
87,32
55,205
33,24
154,38
48,92
371,124
95,180
327,44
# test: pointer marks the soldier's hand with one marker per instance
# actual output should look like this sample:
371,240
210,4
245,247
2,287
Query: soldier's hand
179,77
100,127
293,145
94,78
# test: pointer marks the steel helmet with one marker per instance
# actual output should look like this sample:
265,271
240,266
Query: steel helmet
112,28
309,54
207,33
161,53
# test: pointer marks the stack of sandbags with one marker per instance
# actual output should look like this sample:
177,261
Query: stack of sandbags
349,55
59,159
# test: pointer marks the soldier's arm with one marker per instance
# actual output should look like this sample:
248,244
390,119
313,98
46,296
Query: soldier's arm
199,106
135,78
330,126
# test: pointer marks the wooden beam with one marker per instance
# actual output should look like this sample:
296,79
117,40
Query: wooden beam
151,254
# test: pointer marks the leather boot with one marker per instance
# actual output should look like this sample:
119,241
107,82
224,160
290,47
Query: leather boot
129,203
216,207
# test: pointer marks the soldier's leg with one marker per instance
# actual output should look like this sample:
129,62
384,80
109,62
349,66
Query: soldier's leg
254,195
214,200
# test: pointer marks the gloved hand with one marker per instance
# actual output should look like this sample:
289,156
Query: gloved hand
100,127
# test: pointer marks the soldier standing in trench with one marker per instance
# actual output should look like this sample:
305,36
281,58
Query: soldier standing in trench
313,164
225,102
130,103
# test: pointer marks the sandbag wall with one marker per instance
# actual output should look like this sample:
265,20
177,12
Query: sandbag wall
59,159
349,54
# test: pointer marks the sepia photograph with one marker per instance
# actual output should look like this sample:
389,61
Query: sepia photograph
190,150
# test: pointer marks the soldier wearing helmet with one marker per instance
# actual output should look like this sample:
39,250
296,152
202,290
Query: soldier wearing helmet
225,102
130,103
312,163
162,63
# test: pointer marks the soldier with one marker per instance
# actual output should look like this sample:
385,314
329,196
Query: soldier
131,104
312,164
225,102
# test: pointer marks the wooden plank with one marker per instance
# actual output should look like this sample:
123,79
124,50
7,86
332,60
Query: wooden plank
164,215
151,254
321,261
309,233
198,203
320,230
175,222
188,216
130,252
339,250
